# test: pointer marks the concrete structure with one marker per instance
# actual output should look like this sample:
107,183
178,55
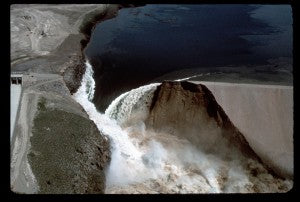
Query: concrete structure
16,78
15,95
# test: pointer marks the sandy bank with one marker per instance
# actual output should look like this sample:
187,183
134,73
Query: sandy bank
264,114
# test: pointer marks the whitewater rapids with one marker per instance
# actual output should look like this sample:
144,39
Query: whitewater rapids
147,161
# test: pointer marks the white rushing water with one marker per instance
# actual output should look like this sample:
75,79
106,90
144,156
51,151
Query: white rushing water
143,161
126,161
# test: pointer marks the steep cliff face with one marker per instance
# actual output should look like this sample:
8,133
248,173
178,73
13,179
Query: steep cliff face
191,111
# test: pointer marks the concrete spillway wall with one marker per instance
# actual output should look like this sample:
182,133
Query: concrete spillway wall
15,94
264,114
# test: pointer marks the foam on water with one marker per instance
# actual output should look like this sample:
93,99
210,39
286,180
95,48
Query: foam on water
143,161
133,103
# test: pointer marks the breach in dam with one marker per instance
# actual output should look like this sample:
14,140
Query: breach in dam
151,99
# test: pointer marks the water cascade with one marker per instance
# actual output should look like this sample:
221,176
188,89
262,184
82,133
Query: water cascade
148,161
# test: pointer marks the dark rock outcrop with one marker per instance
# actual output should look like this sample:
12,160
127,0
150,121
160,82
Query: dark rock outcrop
73,74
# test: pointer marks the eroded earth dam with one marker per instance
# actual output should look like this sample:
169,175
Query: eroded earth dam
170,99
176,135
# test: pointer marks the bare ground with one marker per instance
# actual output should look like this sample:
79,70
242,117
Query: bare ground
46,43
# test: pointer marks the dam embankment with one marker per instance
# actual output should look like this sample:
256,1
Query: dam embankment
264,114
47,102
46,46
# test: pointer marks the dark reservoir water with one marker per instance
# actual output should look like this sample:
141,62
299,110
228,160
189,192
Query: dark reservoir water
236,43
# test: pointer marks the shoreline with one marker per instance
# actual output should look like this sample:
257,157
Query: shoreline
228,75
251,85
